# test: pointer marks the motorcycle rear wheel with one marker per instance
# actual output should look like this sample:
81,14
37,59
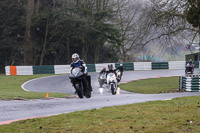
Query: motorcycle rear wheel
186,71
88,94
192,71
113,89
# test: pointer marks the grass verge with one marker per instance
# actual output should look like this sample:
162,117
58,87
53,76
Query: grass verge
10,88
176,116
154,85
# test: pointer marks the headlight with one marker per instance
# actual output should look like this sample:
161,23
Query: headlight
75,73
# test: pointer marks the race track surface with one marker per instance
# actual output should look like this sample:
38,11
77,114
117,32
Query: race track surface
17,110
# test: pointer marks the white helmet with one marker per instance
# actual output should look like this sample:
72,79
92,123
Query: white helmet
75,58
121,64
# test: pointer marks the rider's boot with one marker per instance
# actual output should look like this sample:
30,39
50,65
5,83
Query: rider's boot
90,86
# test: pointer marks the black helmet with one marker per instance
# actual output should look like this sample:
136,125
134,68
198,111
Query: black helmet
190,61
110,67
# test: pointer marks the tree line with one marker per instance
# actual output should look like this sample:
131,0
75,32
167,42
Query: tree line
48,32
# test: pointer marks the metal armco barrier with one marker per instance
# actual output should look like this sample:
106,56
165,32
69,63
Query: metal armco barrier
129,66
47,69
60,69
91,67
160,65
189,83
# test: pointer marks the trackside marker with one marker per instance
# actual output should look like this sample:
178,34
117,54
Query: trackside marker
13,70
47,95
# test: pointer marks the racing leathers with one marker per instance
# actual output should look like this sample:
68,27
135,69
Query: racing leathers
87,78
121,69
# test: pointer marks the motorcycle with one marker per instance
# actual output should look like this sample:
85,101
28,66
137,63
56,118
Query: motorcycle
77,76
102,79
112,82
189,68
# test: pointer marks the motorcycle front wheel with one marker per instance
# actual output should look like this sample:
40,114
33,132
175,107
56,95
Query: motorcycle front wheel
113,89
79,90
100,83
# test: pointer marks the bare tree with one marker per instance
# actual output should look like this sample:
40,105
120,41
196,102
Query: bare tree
171,27
154,21
135,26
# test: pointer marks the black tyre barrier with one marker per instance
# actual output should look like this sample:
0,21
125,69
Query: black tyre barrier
189,83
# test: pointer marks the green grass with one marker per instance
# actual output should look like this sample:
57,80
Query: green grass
154,85
176,116
10,88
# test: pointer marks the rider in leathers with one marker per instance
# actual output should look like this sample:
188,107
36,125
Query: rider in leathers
121,69
81,64
111,70
103,71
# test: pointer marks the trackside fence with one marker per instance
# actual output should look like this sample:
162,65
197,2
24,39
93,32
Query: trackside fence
62,69
126,66
160,65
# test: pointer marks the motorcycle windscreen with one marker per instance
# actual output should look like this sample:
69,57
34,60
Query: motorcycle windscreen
111,74
103,76
76,72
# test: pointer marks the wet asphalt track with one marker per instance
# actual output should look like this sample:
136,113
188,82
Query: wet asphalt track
17,110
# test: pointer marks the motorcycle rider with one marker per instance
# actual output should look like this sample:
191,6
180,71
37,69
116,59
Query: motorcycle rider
191,63
103,71
76,62
189,66
111,70
121,69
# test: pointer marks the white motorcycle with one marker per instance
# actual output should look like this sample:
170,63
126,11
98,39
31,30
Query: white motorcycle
112,82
